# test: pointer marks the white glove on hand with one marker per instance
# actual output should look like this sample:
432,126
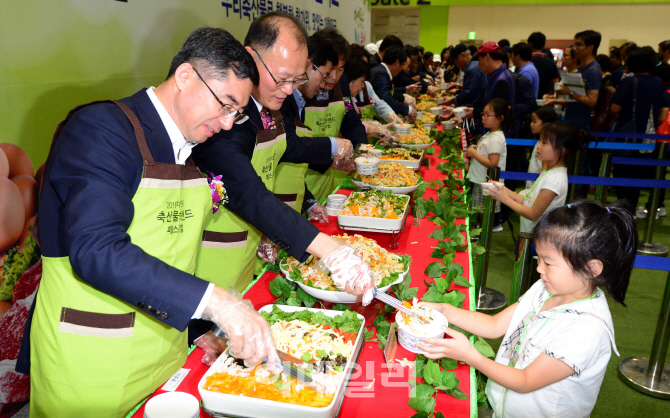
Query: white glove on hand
409,100
249,335
267,250
212,346
318,213
433,90
344,149
350,272
346,165
393,118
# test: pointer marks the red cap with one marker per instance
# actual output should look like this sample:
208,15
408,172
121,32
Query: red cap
488,47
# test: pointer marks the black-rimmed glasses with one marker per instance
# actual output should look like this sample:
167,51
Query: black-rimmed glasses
298,81
317,69
240,117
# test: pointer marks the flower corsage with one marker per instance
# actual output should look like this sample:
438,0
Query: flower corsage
219,195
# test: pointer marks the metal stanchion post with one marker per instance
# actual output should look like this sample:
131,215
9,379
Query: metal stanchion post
488,300
652,376
605,171
573,187
521,274
646,246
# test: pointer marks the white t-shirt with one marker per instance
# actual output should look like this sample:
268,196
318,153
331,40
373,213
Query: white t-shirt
490,143
580,335
534,166
555,180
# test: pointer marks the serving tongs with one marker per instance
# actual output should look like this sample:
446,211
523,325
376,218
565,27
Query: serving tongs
396,303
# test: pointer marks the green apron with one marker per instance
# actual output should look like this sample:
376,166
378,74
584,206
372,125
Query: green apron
94,355
324,118
227,255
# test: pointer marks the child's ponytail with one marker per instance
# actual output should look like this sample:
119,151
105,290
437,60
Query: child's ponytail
566,139
585,230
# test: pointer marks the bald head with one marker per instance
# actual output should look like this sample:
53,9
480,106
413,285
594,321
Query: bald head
265,30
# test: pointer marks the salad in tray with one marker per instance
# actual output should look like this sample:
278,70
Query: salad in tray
391,174
417,136
375,204
407,154
325,342
386,266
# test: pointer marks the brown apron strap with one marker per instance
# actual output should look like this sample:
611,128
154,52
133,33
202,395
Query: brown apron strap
139,132
366,97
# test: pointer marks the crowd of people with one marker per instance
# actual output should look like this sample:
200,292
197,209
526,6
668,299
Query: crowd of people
273,123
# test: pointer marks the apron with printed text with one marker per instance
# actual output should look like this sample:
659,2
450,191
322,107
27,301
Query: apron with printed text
227,255
366,107
324,118
94,355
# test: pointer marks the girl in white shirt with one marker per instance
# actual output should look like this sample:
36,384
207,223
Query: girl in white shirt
540,117
558,337
557,147
491,150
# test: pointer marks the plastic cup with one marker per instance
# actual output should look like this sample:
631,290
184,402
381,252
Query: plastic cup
403,129
436,110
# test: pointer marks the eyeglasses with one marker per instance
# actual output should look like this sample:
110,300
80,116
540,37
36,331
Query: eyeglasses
317,69
298,81
485,115
240,117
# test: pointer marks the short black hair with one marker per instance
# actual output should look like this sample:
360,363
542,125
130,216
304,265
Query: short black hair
641,60
428,55
356,68
411,51
522,50
590,38
503,43
214,52
628,46
616,53
357,50
605,62
537,40
389,41
263,31
472,49
320,51
565,139
393,54
662,70
336,39
546,114
583,231
420,49
502,109
665,45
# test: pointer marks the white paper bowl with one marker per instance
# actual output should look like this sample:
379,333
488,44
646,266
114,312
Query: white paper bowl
403,129
396,190
448,124
336,201
443,86
490,186
173,405
541,102
440,100
460,112
336,296
411,340
436,110
366,165
428,125
419,114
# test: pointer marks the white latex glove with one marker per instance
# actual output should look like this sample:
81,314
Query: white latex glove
433,90
392,118
412,115
346,165
248,333
378,131
414,88
212,346
350,272
267,250
344,148
409,100
318,213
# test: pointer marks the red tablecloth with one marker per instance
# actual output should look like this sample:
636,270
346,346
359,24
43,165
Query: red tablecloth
374,391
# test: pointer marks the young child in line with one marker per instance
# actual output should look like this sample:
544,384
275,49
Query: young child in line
558,336
491,151
557,147
540,117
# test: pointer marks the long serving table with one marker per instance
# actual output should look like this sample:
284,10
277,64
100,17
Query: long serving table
375,390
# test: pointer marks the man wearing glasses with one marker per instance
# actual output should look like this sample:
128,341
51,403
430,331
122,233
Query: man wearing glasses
120,220
247,156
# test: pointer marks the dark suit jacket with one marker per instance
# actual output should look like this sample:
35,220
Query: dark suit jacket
381,83
86,208
229,153
352,128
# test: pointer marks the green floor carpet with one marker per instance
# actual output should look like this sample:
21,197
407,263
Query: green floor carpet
634,325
